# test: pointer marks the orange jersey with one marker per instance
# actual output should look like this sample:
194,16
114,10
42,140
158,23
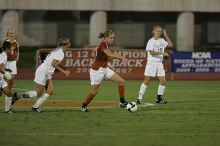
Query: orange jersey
13,52
101,58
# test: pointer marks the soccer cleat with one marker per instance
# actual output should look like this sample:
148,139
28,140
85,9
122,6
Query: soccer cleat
160,100
24,95
84,109
36,110
138,101
14,98
123,104
10,111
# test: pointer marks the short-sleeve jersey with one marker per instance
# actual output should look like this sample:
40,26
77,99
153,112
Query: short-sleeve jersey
101,58
3,58
56,54
158,45
13,52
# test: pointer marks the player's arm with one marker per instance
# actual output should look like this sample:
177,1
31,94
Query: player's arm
5,73
94,50
59,68
112,55
18,52
170,44
158,53
2,68
150,49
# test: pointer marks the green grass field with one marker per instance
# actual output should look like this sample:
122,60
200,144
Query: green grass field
191,117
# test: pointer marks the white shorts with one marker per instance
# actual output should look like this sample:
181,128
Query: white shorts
41,76
96,76
3,83
153,69
12,65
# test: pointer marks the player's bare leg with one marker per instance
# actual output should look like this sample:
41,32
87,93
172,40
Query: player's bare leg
147,80
49,87
93,91
161,88
143,88
43,96
120,81
11,82
30,94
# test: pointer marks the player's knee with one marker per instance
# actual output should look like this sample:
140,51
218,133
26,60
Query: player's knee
121,82
7,91
163,83
39,94
95,90
8,94
146,80
50,91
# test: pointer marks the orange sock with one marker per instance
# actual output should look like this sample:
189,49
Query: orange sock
10,84
121,91
88,99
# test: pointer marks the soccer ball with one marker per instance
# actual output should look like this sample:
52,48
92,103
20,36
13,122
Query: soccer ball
132,106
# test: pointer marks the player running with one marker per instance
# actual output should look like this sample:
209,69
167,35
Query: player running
43,74
100,70
154,67
5,75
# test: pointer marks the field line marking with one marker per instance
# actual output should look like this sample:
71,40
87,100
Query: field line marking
68,107
108,134
22,89
51,100
147,104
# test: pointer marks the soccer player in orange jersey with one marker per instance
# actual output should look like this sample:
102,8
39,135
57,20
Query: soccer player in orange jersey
100,70
12,55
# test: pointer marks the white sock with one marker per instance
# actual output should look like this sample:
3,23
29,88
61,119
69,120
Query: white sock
41,100
160,90
143,89
31,94
8,101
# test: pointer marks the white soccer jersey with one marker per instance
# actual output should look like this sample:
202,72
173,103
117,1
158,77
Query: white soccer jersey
158,45
56,54
3,60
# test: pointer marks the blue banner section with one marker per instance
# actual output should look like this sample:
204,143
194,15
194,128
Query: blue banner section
195,62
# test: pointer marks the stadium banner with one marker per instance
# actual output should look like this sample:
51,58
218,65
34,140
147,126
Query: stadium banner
195,62
78,61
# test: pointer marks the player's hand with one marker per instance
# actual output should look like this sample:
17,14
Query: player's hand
165,54
124,59
67,73
7,75
164,32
